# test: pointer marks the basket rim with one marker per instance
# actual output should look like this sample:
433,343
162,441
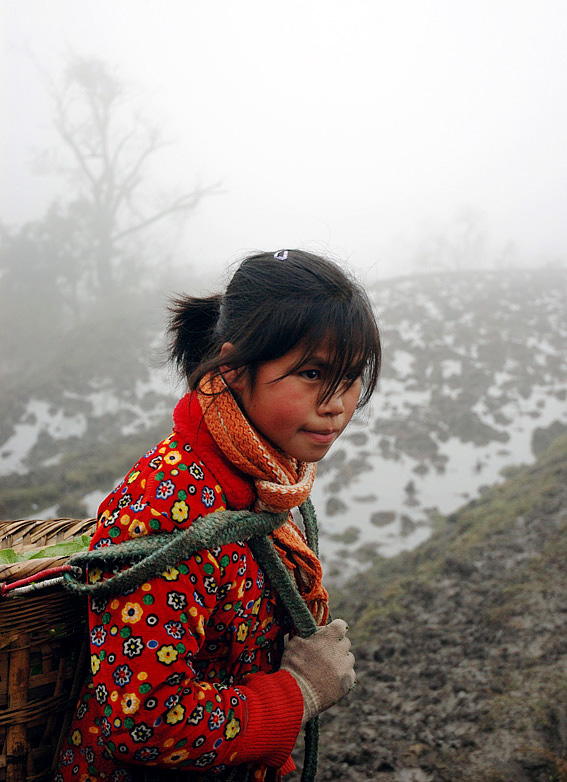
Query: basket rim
13,571
26,535
18,529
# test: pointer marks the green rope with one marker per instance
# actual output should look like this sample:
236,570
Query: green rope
310,524
268,559
153,554
149,556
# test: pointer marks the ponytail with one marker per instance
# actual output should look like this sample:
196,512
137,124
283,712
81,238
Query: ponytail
191,330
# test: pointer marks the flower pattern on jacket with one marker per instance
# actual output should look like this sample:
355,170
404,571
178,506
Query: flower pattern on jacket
167,658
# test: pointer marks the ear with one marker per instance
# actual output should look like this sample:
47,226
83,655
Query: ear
234,378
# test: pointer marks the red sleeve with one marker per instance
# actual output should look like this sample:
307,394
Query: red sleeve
152,705
275,711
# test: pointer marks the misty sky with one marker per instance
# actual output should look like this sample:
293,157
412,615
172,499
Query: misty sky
357,126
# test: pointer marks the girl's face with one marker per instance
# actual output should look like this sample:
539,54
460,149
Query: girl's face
284,408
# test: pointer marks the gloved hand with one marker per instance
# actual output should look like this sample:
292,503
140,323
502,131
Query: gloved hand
322,665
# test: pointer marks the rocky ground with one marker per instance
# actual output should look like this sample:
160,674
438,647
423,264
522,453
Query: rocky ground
461,647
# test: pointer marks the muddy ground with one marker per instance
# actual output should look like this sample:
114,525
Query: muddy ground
462,647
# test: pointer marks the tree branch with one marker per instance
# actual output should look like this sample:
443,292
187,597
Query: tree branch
182,204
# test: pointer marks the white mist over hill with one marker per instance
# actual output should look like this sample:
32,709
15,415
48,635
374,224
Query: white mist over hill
473,382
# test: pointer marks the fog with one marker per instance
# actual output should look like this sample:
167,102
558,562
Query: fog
364,129
400,137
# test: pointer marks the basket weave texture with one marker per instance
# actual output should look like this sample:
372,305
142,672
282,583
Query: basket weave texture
43,652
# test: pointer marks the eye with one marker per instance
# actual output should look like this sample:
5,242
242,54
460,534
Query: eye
349,380
311,374
355,373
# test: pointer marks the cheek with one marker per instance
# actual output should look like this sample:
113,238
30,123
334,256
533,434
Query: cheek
286,411
275,411
291,409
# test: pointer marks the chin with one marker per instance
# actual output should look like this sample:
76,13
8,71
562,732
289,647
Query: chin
315,457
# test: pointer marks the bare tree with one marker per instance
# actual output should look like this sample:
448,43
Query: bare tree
109,148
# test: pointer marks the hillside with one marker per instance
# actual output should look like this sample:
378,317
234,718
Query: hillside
461,649
473,381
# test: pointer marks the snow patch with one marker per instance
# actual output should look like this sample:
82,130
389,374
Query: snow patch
402,363
39,417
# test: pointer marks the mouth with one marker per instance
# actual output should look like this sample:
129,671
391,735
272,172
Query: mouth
326,436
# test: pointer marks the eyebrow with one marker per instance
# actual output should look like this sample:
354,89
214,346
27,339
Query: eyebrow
317,361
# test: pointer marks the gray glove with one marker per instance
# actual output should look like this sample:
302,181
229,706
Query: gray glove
322,665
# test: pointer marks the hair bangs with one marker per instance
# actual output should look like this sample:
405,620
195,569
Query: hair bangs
282,331
348,335
354,351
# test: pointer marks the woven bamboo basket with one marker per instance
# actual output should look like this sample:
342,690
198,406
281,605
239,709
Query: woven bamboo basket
43,652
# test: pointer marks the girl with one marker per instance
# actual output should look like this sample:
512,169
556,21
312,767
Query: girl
190,677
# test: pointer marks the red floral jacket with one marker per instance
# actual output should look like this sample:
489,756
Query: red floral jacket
185,668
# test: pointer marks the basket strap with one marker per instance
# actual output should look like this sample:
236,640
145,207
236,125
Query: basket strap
148,557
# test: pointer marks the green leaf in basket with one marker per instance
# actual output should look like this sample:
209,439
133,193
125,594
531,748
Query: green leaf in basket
9,556
65,549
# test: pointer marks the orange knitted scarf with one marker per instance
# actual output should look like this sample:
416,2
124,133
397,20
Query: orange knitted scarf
281,482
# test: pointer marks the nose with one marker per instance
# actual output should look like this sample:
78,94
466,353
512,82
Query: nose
334,405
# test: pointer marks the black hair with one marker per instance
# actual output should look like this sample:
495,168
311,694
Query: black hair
275,302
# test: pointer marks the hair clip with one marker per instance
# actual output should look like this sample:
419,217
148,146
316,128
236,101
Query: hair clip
281,255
